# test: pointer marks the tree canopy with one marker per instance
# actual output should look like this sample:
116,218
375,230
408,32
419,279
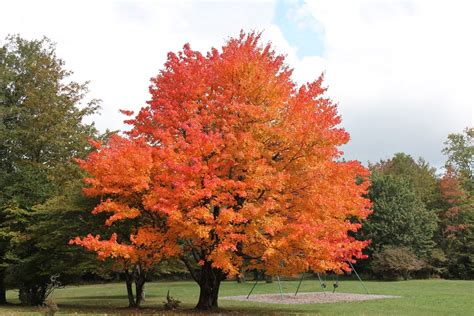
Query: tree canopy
231,166
418,173
460,151
41,131
399,218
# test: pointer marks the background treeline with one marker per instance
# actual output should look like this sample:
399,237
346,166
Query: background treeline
422,225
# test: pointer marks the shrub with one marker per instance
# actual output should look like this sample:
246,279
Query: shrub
393,262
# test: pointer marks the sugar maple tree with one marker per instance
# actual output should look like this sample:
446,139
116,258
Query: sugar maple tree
231,166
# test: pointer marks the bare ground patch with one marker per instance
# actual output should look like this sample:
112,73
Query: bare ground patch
308,298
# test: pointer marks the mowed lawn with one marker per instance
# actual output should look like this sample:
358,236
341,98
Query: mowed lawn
418,297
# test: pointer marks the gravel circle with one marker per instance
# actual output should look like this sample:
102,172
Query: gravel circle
307,298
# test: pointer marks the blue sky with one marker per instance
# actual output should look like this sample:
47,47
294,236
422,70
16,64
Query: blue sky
299,28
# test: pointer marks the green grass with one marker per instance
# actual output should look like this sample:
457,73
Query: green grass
418,297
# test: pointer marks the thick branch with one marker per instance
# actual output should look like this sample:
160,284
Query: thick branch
261,195
190,269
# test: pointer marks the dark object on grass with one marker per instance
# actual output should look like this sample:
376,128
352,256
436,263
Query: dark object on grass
171,303
335,284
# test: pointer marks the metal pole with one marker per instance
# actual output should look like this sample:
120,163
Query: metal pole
321,283
353,269
279,285
299,284
252,288
336,283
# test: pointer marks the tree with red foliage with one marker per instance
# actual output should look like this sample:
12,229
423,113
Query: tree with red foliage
454,199
232,167
457,225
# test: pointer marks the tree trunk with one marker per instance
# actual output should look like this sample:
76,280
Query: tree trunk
268,278
129,282
215,293
143,293
209,283
3,290
32,295
256,275
139,287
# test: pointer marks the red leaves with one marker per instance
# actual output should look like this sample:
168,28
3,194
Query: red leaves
126,112
456,202
450,187
230,159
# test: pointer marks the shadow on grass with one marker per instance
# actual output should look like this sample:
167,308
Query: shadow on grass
104,297
180,311
79,309
95,298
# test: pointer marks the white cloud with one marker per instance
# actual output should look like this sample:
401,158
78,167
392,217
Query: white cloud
400,70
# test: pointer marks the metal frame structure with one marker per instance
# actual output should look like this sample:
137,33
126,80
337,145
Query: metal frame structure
321,283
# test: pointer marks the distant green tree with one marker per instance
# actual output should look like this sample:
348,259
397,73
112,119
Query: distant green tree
41,131
42,250
400,219
455,207
419,174
460,151
13,222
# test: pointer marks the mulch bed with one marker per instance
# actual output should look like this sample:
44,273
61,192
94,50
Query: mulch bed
308,298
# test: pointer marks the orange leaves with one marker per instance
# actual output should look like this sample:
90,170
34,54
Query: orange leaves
455,201
120,173
121,167
450,187
121,210
231,160
146,248
106,248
